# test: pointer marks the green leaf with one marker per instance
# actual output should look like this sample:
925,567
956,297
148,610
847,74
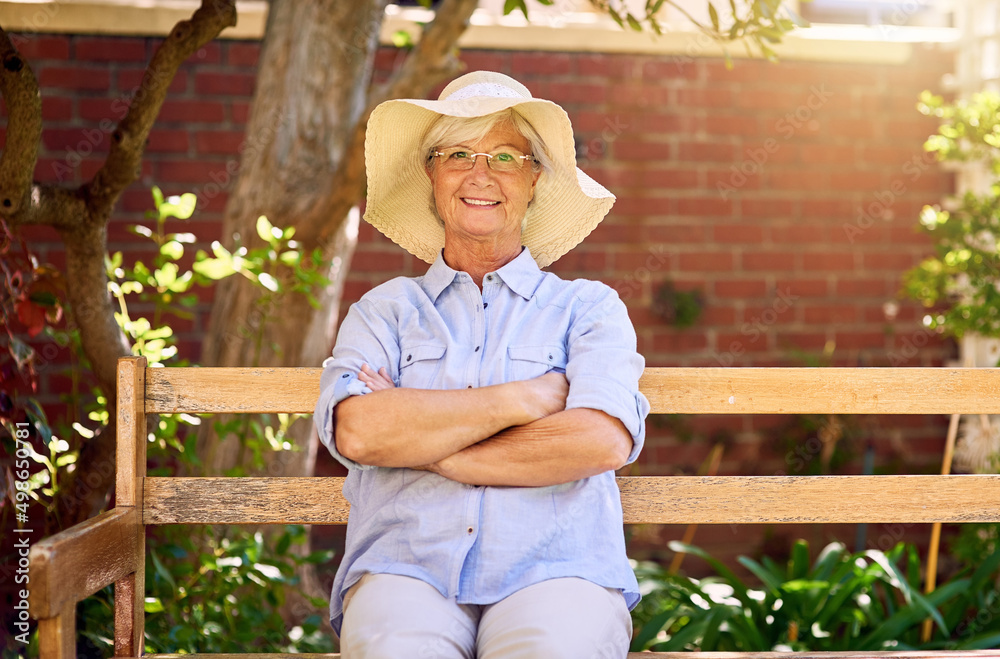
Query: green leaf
157,197
402,39
264,228
633,22
179,206
172,249
714,15
268,282
510,5
153,605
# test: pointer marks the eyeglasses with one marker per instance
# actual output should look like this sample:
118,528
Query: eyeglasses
458,158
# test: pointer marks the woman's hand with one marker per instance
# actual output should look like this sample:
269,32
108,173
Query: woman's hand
376,381
546,394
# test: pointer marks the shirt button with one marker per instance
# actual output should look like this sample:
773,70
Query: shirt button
469,387
346,375
489,277
470,530
485,304
409,357
477,349
550,357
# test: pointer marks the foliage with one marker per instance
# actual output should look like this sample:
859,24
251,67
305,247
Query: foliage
679,308
865,601
962,280
218,591
203,584
758,23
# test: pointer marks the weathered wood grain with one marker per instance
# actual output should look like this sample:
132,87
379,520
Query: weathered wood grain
670,390
130,454
233,390
645,500
77,562
57,635
130,590
822,390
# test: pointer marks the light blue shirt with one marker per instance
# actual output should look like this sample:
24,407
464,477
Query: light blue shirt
480,544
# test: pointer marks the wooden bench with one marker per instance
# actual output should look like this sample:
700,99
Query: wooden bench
110,548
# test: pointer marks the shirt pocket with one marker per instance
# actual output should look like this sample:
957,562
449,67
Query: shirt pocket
419,365
526,362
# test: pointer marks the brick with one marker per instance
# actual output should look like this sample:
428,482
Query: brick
603,65
666,178
574,92
225,142
864,129
675,233
830,313
675,340
885,260
859,340
743,70
56,108
706,97
669,68
188,112
36,47
767,208
643,96
866,287
795,179
854,181
226,84
102,108
842,209
540,63
768,99
798,233
706,152
732,345
191,171
829,261
739,288
83,141
742,234
732,124
705,206
630,206
799,287
829,154
705,261
243,53
640,151
210,53
167,141
78,78
484,60
110,49
730,181
787,340
768,261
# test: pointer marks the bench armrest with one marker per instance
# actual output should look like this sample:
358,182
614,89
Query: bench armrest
78,562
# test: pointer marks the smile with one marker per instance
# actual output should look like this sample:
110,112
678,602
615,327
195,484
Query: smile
480,202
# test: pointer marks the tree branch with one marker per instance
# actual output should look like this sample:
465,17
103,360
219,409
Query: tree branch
128,141
24,128
432,60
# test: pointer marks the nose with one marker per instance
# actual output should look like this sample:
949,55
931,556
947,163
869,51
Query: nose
480,165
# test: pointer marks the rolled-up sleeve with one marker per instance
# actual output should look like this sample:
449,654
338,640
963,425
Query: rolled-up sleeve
603,367
365,337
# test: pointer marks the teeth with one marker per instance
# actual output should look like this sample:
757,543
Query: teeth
480,202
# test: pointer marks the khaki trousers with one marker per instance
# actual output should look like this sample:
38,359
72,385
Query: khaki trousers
394,617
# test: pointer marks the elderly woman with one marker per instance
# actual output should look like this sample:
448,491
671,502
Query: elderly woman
482,408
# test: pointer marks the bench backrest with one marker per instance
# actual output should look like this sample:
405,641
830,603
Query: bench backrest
145,500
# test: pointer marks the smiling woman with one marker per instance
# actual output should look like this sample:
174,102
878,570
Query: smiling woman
474,406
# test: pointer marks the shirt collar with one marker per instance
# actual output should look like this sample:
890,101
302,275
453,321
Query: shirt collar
522,275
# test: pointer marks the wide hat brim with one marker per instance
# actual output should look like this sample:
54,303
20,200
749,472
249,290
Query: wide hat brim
567,206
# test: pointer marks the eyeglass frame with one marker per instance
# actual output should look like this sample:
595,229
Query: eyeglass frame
524,158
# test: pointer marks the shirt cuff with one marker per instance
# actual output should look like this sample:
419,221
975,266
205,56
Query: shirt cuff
336,384
609,396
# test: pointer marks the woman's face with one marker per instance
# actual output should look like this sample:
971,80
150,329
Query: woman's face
480,204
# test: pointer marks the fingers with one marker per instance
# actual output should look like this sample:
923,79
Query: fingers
375,381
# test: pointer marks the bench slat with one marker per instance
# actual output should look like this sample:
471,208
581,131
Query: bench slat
670,390
645,500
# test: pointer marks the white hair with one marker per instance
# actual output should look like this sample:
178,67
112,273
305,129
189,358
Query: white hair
449,130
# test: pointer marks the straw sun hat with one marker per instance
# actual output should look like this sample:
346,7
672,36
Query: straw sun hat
567,205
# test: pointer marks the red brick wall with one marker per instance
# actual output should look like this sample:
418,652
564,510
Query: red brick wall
786,194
